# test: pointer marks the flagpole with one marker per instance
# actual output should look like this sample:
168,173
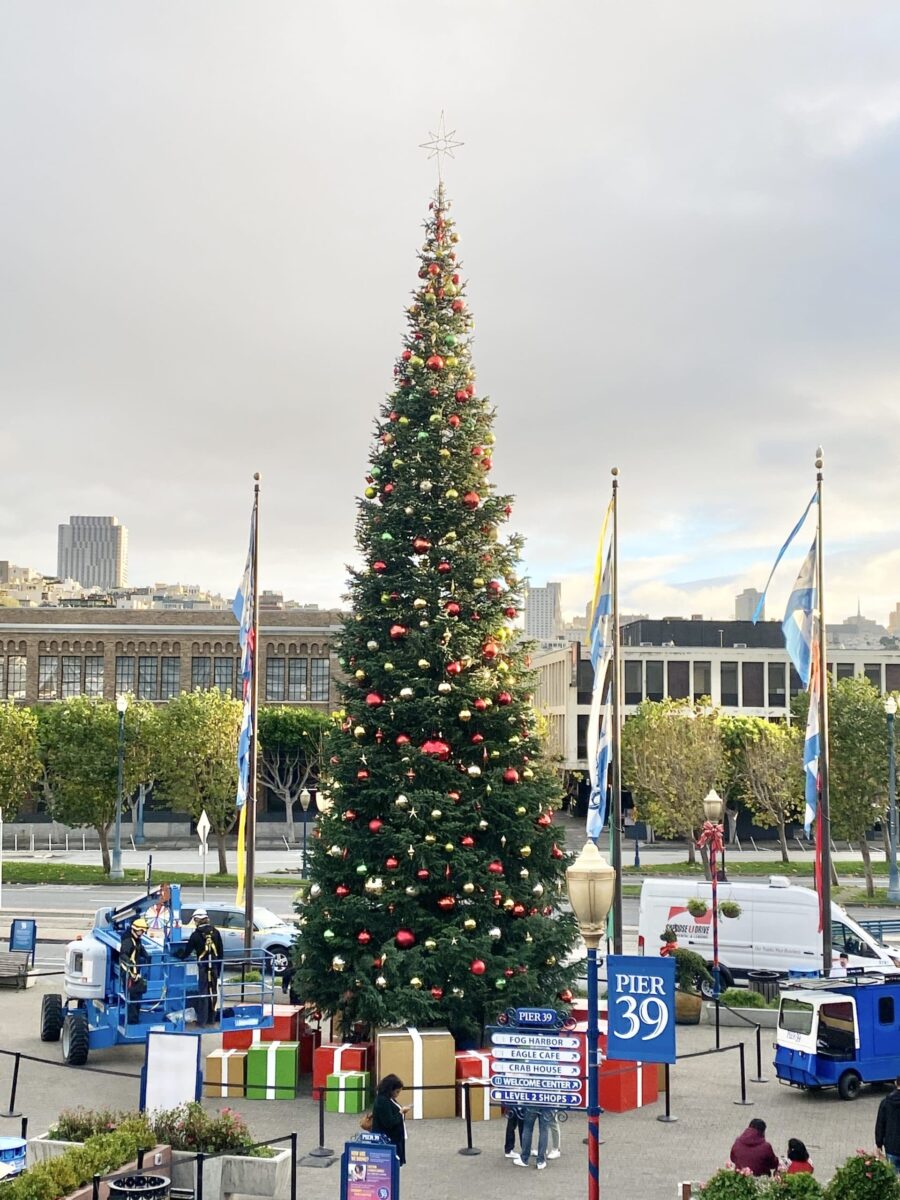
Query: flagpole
254,707
615,821
823,812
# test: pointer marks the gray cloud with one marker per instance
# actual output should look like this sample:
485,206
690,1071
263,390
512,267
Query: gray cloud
678,224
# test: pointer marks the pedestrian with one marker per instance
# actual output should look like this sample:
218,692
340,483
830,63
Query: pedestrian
513,1127
887,1126
798,1158
388,1114
554,1151
287,984
206,942
531,1113
751,1152
132,956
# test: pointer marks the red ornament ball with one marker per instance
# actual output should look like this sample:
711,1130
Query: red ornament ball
495,867
392,863
398,631
458,306
349,815
471,500
453,421
422,874
342,890
518,910
556,852
374,700
477,739
447,903
468,841
454,668
434,363
379,566
462,396
444,567
434,269
504,698
480,704
511,612
362,774
434,746
375,825
494,587
509,972
477,967
404,939
421,544
453,609
490,650
437,993
510,775
364,937
406,355
402,739
566,996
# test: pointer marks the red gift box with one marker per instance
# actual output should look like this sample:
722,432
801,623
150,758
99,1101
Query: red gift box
288,1024
309,1041
338,1056
240,1039
473,1064
627,1085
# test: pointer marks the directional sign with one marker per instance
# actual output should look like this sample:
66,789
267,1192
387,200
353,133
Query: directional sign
503,1037
203,828
543,1018
641,1008
501,1095
534,1062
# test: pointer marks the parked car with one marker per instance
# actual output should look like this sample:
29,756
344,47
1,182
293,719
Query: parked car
270,932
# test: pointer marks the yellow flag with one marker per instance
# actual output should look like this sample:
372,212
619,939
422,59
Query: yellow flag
241,855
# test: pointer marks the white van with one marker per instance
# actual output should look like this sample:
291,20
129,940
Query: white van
778,927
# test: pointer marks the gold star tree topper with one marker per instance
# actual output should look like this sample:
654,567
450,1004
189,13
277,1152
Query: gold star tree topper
443,142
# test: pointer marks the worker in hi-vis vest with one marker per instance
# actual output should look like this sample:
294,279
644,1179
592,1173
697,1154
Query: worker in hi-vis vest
206,943
132,956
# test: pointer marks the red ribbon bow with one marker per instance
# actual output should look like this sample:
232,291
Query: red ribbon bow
711,835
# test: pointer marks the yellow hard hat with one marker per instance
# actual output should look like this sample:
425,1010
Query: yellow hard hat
140,924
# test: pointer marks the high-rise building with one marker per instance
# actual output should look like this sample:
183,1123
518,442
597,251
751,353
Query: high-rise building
543,612
745,605
93,550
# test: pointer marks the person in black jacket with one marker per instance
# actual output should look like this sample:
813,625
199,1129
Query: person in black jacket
206,943
388,1114
132,956
887,1126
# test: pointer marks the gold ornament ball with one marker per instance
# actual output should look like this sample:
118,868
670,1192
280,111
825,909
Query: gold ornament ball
337,963
359,731
406,693
401,801
474,771
436,814
465,714
469,923
482,824
444,688
449,847
468,888
538,889
371,644
389,666
359,674
381,982
443,452
415,982
509,903
412,890
424,664
523,874
525,851
551,961
420,602
430,944
521,810
430,839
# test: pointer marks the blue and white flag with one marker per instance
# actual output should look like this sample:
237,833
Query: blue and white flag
812,743
243,611
800,616
596,813
790,537
598,740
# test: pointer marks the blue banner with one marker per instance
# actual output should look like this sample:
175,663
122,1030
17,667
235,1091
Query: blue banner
641,998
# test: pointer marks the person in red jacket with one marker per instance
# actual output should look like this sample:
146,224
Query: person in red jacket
798,1158
751,1152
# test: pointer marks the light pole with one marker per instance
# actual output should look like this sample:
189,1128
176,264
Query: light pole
305,798
116,871
712,836
890,708
139,819
591,883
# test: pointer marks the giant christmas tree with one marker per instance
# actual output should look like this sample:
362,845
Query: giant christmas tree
436,872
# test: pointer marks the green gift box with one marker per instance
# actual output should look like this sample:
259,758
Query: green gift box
347,1091
272,1071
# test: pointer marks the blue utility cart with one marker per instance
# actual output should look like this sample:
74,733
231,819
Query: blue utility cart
839,1032
95,1013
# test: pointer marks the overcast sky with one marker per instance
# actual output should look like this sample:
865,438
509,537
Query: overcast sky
679,223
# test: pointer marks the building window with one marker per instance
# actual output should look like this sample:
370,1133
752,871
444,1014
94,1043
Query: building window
777,685
845,670
274,678
581,747
71,676
148,677
796,683
319,679
170,678
15,677
891,677
124,675
48,677
297,679
93,675
678,680
872,672
654,679
754,689
634,683
728,677
702,681
201,674
223,675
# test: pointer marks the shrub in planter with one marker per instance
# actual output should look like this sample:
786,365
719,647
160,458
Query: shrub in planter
742,998
730,1184
58,1177
792,1187
697,907
864,1177
730,908
188,1127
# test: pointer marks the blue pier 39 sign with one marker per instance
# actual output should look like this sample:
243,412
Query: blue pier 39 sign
641,999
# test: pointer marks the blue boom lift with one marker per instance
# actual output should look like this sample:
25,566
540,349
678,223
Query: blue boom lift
95,1012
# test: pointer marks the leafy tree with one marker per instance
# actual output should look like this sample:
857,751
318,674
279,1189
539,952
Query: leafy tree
20,765
672,754
764,767
143,750
78,741
196,758
858,760
437,867
290,745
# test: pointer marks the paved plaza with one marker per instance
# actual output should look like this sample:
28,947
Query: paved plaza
641,1158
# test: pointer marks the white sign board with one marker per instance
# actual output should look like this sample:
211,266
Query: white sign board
171,1074
203,828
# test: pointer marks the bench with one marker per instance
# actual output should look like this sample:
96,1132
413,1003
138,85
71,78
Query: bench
14,970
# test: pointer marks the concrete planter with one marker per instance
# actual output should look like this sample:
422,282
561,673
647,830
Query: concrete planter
223,1175
157,1161
766,1017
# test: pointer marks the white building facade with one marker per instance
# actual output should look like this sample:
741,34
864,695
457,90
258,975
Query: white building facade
93,550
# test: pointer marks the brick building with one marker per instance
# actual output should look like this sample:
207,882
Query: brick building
51,654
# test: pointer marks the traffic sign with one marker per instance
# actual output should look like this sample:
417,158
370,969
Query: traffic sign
203,828
641,1008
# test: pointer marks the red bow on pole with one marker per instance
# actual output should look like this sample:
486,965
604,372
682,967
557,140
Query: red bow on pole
711,835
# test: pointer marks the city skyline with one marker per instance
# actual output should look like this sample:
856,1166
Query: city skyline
679,253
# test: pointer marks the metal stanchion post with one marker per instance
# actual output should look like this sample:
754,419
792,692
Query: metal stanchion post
468,1149
759,1075
321,1151
293,1166
11,1110
667,1117
743,1100
198,1186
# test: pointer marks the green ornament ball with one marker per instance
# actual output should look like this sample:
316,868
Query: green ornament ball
328,935
362,869
422,435
387,537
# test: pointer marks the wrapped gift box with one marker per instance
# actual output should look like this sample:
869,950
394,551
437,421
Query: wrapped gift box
240,1039
473,1064
272,1071
347,1091
309,1042
419,1057
288,1024
225,1073
480,1096
334,1058
627,1085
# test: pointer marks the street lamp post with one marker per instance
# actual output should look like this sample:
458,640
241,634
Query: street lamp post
305,798
890,708
591,882
712,836
116,871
